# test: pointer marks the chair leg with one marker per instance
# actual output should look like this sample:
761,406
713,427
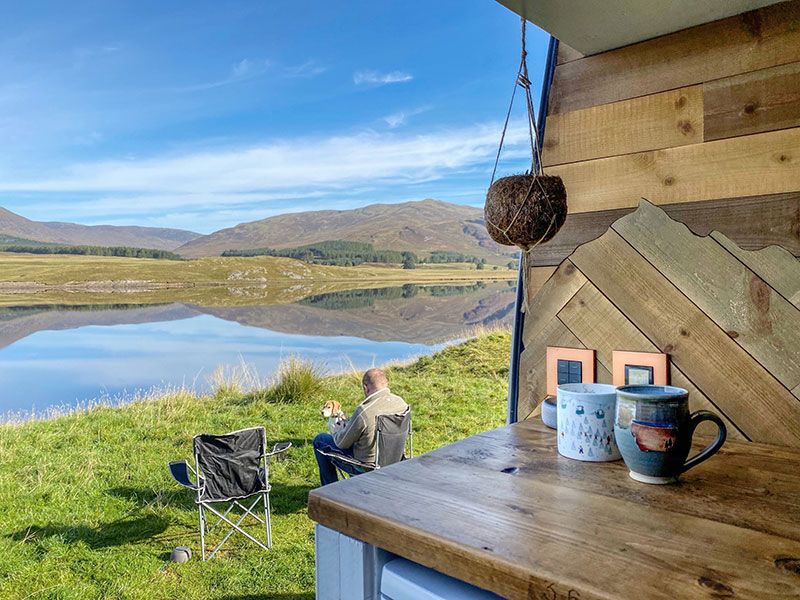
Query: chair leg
267,520
202,532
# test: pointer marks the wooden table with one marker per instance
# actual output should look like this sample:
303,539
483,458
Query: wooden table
502,510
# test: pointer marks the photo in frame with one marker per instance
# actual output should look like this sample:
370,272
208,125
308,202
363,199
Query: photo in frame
640,368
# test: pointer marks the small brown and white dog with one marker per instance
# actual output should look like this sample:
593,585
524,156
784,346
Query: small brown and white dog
337,419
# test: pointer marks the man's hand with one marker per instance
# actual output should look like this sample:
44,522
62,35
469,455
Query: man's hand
340,425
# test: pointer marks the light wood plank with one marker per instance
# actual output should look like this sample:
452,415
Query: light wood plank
757,40
732,379
600,325
672,118
774,264
756,317
765,163
752,223
533,364
537,277
540,308
763,100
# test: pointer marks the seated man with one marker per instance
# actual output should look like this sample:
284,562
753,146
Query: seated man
356,436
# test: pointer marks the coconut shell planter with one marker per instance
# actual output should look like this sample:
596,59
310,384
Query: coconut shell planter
525,210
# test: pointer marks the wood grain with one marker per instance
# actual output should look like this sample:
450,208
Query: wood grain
763,100
533,364
672,118
774,264
754,315
719,533
765,163
540,308
598,324
751,223
756,40
734,381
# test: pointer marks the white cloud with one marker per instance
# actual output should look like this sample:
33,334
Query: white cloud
376,78
307,69
401,117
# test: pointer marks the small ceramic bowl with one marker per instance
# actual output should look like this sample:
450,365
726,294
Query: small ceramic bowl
549,416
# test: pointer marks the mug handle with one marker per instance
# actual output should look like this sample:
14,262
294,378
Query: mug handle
722,432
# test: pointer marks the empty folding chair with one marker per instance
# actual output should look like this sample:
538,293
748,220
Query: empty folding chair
230,468
392,433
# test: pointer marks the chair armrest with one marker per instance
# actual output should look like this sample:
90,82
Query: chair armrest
350,461
278,452
179,469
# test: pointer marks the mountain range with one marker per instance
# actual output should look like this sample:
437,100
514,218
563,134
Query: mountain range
12,224
420,226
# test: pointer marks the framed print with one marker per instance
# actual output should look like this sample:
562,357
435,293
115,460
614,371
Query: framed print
640,368
568,365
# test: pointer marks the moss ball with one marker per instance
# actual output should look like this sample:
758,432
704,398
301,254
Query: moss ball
540,200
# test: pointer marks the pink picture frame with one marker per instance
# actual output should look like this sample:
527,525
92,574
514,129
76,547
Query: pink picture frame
640,364
555,353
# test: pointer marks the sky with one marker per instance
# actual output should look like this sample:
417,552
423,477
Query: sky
201,115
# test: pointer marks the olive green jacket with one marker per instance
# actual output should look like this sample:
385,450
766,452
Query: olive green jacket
360,429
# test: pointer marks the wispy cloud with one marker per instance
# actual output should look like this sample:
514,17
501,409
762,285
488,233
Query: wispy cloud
307,69
401,117
377,78
223,186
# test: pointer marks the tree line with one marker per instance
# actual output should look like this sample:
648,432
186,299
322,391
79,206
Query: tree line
95,251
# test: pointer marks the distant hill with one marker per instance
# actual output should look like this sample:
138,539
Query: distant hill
14,225
417,226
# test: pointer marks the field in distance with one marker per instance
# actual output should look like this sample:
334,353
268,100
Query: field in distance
31,277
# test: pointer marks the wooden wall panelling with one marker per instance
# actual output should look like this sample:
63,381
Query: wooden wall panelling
763,100
774,264
672,118
554,294
756,40
760,406
537,277
566,54
533,364
759,319
765,163
751,222
594,320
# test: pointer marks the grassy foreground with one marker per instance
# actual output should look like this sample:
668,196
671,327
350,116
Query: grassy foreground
88,509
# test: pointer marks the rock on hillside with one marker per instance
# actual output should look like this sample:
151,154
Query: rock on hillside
93,235
417,226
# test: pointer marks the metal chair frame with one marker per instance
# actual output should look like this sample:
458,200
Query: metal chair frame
180,472
365,466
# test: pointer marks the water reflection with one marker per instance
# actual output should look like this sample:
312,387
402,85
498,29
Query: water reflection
62,355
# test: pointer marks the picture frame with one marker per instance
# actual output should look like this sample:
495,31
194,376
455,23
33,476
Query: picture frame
640,368
569,365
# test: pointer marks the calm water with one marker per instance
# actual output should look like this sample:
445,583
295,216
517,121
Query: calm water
67,355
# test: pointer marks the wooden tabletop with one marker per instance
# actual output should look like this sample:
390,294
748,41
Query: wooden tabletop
555,528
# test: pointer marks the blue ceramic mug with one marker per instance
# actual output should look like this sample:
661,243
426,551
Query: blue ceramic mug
653,430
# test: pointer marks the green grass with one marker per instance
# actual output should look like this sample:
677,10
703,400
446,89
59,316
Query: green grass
88,510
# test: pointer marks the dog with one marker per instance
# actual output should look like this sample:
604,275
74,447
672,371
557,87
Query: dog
337,419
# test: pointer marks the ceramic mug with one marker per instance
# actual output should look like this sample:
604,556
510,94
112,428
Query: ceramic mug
653,430
585,414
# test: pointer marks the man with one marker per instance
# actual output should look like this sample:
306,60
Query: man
356,437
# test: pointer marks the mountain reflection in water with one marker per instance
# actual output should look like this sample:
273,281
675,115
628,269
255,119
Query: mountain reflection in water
61,355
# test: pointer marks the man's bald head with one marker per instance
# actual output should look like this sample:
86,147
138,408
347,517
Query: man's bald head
374,380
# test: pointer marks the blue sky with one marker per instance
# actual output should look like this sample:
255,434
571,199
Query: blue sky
202,115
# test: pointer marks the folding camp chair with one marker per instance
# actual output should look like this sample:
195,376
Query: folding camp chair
230,468
392,433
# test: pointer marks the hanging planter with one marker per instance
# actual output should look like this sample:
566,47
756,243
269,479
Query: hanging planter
525,210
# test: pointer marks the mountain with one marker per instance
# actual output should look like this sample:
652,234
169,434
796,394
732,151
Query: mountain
417,226
12,224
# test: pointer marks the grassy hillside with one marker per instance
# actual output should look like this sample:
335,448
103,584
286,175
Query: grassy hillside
88,510
416,226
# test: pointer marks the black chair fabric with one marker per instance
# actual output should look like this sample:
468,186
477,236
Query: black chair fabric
393,431
230,464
